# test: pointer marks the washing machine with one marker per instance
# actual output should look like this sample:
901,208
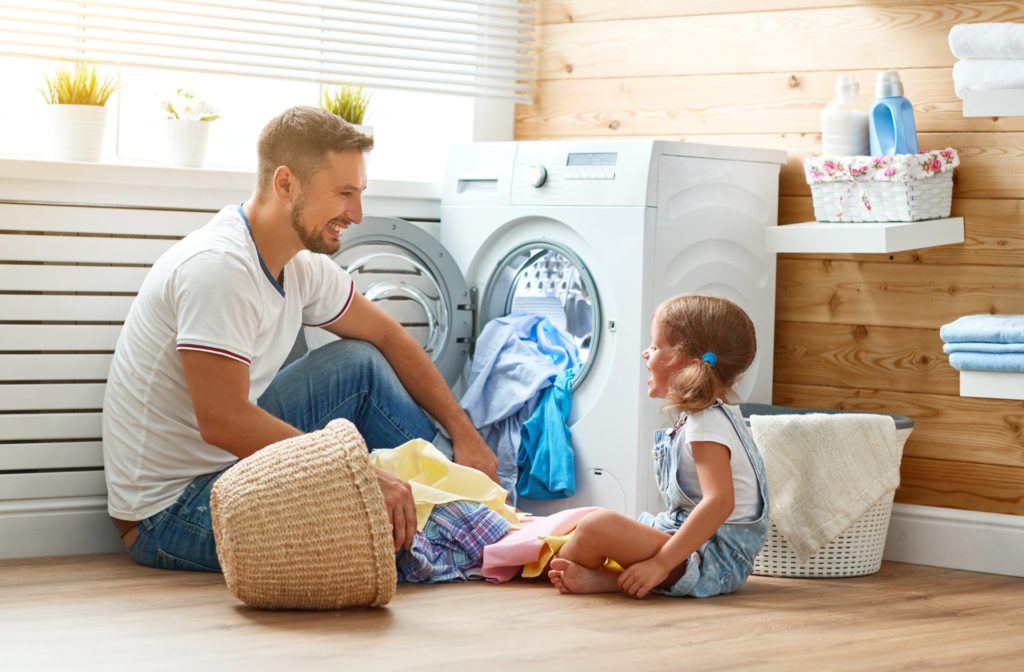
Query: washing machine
593,234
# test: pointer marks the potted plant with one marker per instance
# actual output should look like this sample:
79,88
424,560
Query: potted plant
76,100
348,102
188,128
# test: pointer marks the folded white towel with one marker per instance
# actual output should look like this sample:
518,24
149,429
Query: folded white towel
987,40
824,471
982,75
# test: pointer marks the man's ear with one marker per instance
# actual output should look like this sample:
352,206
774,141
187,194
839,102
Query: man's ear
285,184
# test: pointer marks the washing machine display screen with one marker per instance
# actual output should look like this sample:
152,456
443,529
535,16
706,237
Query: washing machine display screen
591,159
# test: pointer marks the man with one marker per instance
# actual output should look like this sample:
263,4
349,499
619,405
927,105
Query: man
195,382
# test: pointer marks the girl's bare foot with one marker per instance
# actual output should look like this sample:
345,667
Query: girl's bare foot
570,577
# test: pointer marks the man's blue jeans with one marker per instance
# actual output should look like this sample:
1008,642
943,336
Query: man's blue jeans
344,379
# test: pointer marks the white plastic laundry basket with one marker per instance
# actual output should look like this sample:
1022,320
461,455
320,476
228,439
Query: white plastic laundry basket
855,552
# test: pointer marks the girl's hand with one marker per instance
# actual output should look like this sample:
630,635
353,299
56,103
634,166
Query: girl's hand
639,578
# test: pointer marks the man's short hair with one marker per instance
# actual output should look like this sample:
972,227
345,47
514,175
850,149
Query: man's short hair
301,138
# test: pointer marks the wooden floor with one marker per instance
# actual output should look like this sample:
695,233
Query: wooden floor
104,612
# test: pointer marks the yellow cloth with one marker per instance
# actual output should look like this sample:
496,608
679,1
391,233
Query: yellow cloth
552,545
437,480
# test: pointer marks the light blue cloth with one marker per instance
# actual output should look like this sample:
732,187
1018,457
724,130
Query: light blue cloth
545,460
983,347
984,329
517,357
1010,362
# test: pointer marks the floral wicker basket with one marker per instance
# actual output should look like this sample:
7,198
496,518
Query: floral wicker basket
899,188
855,552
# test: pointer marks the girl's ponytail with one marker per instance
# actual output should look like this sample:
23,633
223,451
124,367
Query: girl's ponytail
693,388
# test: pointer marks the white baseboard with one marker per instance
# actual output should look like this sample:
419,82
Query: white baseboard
922,535
58,526
971,540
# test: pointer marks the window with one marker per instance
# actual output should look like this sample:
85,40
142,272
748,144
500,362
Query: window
431,66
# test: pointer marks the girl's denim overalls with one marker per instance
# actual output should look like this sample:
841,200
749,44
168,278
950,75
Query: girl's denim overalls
722,564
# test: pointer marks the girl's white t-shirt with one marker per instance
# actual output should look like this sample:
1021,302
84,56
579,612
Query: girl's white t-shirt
712,425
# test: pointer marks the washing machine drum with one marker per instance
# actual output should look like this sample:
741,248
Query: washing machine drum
408,273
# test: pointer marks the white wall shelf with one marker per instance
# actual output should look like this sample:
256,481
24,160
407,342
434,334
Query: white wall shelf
992,384
865,237
994,103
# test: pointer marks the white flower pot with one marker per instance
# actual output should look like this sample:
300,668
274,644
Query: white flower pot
76,132
186,142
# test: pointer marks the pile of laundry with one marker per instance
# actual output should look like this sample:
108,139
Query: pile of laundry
991,56
519,397
464,527
985,343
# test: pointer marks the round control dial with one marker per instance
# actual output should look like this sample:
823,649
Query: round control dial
536,175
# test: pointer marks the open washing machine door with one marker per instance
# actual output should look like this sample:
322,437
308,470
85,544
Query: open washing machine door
410,275
407,273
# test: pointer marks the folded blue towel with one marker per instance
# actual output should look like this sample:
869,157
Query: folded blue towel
984,329
986,361
994,348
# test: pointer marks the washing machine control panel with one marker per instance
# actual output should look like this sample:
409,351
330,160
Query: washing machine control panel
579,173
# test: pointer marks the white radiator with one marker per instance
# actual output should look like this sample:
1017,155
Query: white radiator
68,274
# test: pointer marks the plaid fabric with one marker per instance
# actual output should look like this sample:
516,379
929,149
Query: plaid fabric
451,542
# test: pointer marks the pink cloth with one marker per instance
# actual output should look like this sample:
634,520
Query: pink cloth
504,558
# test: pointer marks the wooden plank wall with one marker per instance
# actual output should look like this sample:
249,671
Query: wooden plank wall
853,331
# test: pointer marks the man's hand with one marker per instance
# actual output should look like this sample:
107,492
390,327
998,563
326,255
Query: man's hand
400,504
639,578
472,451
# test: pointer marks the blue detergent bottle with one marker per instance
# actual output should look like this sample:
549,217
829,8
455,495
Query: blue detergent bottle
891,122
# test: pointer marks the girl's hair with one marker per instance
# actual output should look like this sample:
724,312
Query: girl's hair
695,324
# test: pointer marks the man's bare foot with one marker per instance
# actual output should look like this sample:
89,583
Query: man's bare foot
569,577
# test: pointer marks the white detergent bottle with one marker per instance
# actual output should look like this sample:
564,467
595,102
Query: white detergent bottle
844,121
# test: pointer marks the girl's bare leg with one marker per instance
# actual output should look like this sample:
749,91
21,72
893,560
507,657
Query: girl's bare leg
600,535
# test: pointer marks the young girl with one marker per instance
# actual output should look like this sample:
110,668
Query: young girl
707,468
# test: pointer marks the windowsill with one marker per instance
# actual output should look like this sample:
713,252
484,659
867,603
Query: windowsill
142,185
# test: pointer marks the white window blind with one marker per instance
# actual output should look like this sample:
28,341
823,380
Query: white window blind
476,48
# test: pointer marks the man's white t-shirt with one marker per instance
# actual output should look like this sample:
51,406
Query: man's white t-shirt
210,292
712,425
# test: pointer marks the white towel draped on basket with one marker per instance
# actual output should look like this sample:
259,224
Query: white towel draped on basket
824,471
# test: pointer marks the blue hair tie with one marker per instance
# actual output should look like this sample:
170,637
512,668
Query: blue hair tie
709,357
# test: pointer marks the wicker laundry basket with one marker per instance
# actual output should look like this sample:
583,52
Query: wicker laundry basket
901,188
302,524
855,552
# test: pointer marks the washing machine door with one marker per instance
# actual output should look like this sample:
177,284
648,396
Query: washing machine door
406,272
548,278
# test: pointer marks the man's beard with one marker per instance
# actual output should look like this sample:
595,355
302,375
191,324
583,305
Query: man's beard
313,243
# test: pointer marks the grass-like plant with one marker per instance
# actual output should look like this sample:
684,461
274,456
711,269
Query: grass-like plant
347,101
80,86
